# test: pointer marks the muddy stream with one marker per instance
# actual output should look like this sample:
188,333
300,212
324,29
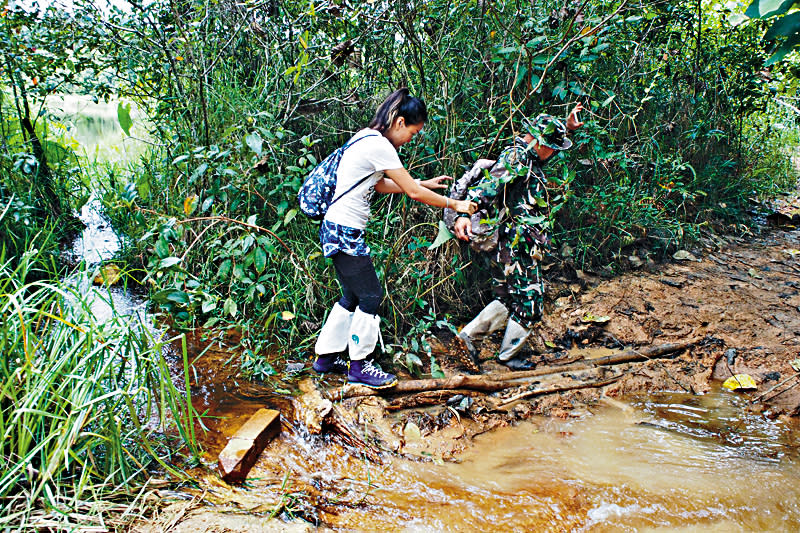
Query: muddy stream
669,451
664,449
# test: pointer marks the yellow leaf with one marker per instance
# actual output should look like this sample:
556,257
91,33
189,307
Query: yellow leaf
179,58
740,382
109,274
189,204
287,315
588,317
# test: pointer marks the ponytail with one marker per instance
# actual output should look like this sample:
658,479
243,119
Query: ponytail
399,104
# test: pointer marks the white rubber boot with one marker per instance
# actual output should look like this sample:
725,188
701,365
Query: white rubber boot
513,340
335,332
364,335
488,321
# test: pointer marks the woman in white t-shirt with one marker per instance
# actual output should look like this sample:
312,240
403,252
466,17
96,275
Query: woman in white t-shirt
370,163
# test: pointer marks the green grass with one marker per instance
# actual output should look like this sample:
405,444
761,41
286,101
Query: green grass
87,408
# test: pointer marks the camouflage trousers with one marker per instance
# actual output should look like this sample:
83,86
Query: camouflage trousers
518,284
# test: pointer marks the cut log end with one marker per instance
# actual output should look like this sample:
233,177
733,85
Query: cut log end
243,449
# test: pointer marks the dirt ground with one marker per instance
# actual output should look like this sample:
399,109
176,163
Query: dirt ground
736,298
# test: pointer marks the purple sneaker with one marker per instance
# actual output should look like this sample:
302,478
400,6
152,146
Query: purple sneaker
366,373
330,363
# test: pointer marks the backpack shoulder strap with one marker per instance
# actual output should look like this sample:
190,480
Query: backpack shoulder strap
351,143
359,182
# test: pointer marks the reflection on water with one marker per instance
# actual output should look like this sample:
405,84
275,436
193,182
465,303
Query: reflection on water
93,128
674,463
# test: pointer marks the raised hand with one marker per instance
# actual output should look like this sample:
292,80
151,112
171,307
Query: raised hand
573,123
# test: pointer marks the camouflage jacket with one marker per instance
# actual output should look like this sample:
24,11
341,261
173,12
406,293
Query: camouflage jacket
512,199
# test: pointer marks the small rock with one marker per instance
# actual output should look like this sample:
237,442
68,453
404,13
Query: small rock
683,255
635,261
411,432
294,368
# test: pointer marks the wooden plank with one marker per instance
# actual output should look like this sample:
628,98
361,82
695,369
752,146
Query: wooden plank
243,449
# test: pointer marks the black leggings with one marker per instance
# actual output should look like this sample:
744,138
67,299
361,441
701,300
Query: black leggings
359,281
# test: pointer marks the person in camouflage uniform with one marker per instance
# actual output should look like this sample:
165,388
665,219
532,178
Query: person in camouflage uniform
511,228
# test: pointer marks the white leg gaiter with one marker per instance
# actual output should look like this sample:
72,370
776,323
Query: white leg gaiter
364,335
334,334
513,340
491,319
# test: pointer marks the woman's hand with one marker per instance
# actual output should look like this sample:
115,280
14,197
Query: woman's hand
463,228
464,206
573,123
436,183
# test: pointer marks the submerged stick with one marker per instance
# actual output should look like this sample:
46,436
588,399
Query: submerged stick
496,382
561,388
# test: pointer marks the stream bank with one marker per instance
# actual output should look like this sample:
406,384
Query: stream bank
662,448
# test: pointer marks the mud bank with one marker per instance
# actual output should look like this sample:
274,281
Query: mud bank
738,297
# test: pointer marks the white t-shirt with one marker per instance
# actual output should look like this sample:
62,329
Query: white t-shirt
371,155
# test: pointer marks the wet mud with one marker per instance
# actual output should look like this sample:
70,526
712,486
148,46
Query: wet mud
661,448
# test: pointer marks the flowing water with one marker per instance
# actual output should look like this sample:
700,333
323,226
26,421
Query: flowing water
667,462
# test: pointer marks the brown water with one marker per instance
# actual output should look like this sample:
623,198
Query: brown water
671,462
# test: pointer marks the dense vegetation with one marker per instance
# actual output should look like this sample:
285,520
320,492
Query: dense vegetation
685,127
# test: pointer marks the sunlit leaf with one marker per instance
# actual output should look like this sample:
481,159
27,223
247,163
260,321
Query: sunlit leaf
740,382
124,117
443,236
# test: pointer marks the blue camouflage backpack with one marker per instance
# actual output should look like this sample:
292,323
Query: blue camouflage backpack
316,195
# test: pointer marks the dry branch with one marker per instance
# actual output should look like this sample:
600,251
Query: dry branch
561,388
423,399
496,382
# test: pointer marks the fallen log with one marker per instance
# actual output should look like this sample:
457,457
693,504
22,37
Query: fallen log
496,382
628,356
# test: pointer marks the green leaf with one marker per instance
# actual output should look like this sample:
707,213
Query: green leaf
124,117
786,25
169,262
443,236
199,171
767,8
260,259
162,248
255,142
230,307
414,363
436,370
224,269
783,49
179,297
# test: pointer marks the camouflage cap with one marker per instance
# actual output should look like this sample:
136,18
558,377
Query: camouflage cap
548,131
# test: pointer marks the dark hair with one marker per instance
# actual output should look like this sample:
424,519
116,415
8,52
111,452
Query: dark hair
399,104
